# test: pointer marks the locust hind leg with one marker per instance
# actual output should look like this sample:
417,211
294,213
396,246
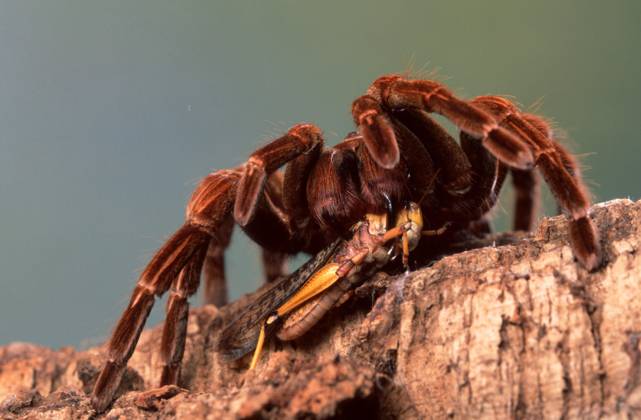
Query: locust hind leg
320,281
323,279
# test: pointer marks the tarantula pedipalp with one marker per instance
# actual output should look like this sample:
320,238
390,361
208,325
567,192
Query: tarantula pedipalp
399,155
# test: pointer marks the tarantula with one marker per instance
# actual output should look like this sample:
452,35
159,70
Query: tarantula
398,155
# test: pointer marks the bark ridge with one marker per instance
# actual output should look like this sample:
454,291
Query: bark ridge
510,331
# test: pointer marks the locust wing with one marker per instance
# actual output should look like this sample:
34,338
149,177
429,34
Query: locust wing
239,336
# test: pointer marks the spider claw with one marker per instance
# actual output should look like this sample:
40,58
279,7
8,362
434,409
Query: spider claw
585,242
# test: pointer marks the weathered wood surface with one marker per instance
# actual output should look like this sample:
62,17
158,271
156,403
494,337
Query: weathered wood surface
499,332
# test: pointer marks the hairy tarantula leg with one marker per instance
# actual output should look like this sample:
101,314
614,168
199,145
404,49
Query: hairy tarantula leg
299,139
174,333
274,264
527,192
455,169
377,131
215,288
272,228
573,199
418,160
570,194
206,212
569,161
562,174
295,179
155,280
210,208
129,328
394,92
489,175
559,171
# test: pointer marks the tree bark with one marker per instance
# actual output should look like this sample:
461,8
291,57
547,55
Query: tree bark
505,331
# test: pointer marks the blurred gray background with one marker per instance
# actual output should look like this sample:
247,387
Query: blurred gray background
111,111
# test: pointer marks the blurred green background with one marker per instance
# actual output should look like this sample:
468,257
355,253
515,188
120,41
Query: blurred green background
111,111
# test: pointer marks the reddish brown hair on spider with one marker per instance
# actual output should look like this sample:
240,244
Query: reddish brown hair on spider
399,154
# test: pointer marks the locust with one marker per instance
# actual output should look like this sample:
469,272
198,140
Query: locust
294,305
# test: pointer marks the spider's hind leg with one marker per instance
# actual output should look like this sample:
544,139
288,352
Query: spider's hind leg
215,284
208,208
155,280
527,194
172,345
299,140
454,168
269,227
274,264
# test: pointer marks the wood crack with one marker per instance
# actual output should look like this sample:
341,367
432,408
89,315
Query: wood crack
631,348
592,308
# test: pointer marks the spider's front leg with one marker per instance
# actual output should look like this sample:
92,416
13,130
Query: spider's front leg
299,140
262,195
527,193
395,92
559,170
465,186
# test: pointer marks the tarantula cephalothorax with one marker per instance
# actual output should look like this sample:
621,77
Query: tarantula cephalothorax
398,155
